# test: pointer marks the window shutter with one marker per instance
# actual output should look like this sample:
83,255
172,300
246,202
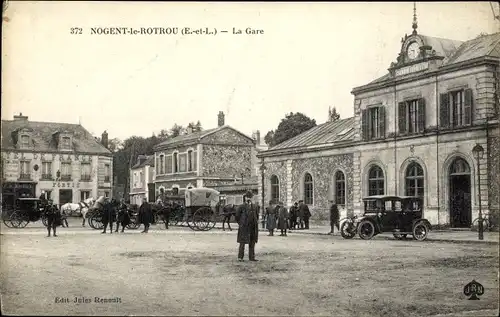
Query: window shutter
364,124
468,106
421,115
402,117
381,126
444,111
194,161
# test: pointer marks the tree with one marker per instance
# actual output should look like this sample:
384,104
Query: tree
292,125
333,115
177,130
113,144
196,127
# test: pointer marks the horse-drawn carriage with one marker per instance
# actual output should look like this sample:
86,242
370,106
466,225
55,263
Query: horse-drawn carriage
24,211
196,208
95,215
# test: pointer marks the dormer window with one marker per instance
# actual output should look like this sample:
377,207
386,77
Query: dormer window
66,143
25,141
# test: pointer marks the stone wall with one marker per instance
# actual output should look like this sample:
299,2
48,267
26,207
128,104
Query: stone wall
322,170
227,136
278,169
226,161
494,176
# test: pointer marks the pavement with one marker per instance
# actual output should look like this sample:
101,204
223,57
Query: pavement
451,236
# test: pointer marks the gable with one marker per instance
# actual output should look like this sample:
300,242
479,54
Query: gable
227,135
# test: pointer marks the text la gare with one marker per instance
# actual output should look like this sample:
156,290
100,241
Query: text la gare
248,31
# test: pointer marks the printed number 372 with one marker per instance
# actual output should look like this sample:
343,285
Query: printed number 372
76,31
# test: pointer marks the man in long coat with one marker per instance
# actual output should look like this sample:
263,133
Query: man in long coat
294,212
248,228
108,215
282,218
122,217
300,224
53,217
145,215
271,215
334,217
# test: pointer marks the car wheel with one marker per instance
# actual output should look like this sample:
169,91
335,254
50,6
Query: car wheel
347,230
420,231
366,230
400,236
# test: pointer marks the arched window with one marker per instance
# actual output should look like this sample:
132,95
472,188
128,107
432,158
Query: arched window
414,180
340,188
375,181
308,189
275,188
459,167
175,163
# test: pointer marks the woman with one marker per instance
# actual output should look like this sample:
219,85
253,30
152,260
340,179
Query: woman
271,218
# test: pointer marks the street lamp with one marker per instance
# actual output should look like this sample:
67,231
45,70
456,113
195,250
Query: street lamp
478,152
262,172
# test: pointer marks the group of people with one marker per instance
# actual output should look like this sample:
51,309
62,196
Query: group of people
278,217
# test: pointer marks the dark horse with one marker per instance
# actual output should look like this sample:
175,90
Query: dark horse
227,212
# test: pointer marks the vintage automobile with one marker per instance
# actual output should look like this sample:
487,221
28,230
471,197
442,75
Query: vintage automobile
401,215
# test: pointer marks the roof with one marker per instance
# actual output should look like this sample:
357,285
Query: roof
457,51
196,137
149,160
188,137
327,133
487,45
42,137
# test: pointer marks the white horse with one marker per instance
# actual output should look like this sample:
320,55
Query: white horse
82,207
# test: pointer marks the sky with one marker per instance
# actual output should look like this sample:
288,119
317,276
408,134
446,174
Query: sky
310,57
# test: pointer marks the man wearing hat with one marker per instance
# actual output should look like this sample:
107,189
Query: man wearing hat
282,218
53,217
248,227
334,217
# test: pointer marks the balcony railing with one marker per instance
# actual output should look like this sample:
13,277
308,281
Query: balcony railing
47,176
106,178
65,177
85,178
24,176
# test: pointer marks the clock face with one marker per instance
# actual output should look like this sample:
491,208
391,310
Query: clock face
412,50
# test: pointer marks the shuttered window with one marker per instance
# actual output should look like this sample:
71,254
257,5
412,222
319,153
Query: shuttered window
456,108
308,189
373,123
340,188
411,118
275,189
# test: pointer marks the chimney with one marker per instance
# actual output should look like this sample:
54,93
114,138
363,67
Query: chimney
20,117
189,130
104,139
221,119
257,137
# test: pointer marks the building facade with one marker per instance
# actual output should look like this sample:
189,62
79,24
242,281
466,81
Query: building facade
63,160
413,133
219,158
142,180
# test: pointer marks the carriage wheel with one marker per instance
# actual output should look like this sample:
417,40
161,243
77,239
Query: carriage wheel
45,222
18,220
6,217
134,223
203,219
96,222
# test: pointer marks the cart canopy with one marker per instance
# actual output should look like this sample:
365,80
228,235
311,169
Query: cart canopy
201,197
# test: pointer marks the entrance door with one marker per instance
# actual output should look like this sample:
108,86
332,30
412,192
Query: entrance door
65,196
460,194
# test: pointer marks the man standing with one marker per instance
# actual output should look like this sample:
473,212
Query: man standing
305,214
248,227
271,217
145,215
334,217
300,224
122,217
108,215
53,218
282,218
293,215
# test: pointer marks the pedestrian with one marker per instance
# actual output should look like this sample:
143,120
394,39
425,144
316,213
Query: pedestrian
108,215
145,215
282,218
166,209
248,227
293,215
334,217
300,224
122,217
304,214
53,217
271,218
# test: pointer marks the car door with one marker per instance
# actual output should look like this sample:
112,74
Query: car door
388,218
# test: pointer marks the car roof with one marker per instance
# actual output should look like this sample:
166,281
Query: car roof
389,197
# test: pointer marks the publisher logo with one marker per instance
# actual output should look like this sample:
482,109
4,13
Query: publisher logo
473,290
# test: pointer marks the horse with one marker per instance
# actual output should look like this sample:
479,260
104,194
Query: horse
81,207
227,211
